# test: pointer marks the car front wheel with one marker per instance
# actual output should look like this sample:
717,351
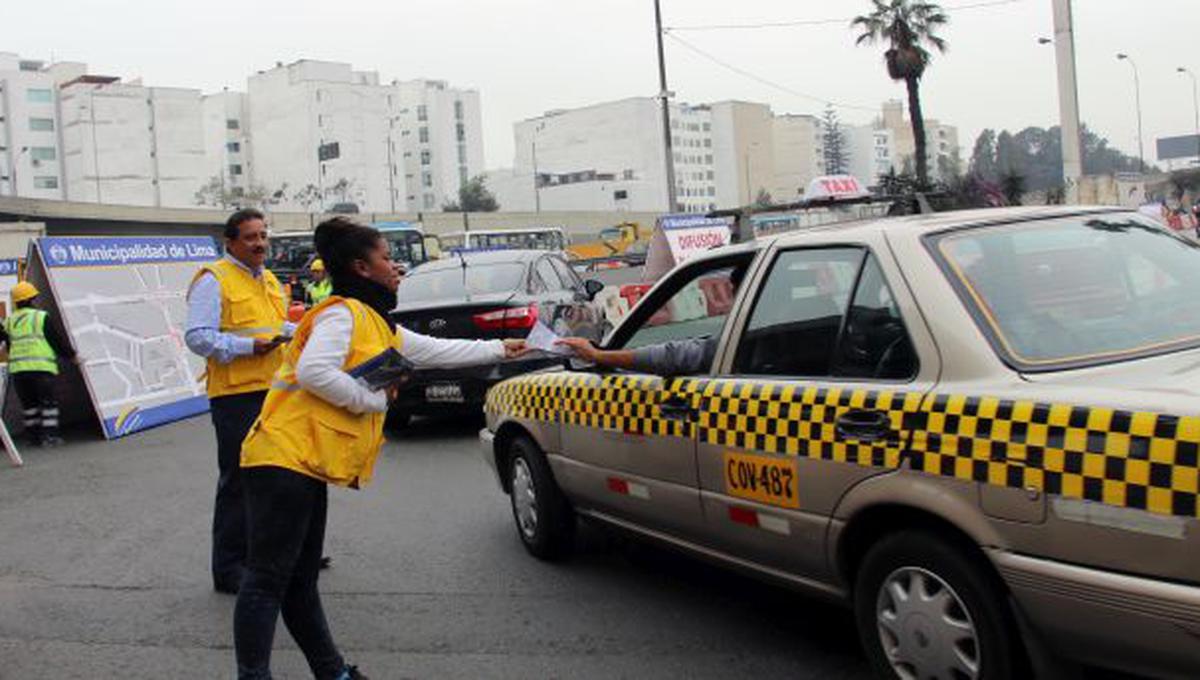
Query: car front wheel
545,521
926,611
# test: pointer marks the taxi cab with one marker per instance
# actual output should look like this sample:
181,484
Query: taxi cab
979,429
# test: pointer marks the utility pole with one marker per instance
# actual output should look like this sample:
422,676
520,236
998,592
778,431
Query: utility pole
391,170
1068,98
664,96
1137,94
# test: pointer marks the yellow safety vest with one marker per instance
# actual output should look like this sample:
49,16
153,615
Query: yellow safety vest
251,308
318,291
302,432
28,349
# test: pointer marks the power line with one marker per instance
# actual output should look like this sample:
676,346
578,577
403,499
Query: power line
770,83
823,22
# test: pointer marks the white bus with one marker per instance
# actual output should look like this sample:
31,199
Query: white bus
539,238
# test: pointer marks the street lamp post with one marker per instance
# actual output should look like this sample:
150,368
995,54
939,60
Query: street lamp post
391,170
537,189
13,175
1195,105
1137,93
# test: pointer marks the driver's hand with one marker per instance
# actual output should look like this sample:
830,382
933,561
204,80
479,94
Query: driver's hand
583,348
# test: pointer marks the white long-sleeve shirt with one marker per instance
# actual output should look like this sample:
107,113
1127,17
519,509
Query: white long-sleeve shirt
320,367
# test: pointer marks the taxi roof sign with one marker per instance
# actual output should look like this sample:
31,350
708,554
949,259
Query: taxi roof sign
835,187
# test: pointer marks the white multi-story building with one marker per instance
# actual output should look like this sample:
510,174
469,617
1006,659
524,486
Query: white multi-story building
129,144
404,146
31,155
799,155
871,152
941,141
226,142
609,156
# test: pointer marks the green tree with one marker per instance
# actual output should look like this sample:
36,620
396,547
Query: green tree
983,157
906,27
763,200
834,142
473,197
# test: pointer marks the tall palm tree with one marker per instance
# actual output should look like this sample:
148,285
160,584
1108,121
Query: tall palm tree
906,27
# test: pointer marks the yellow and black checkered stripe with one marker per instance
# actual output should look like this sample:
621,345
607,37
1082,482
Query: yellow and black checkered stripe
1128,459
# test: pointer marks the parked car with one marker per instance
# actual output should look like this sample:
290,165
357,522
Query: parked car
489,295
979,429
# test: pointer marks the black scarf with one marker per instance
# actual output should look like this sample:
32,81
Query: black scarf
372,294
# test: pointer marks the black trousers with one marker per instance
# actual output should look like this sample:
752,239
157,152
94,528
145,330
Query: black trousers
232,417
287,512
39,404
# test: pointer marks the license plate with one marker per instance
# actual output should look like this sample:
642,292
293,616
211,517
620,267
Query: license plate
444,393
764,479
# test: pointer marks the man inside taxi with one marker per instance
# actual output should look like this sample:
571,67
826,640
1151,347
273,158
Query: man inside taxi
687,356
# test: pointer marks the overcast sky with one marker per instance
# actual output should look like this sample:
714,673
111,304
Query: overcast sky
529,56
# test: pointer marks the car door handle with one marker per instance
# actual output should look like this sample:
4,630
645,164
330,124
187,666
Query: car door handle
677,408
862,425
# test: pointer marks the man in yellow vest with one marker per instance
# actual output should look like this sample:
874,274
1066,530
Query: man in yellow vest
236,320
321,286
34,345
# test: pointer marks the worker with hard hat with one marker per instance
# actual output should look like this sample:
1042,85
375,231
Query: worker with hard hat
34,345
321,286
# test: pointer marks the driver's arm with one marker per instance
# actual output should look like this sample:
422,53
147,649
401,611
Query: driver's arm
676,357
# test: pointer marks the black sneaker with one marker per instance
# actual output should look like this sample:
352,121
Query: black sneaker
351,673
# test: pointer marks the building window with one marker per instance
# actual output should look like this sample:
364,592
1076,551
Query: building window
708,159
708,127
430,201
423,135
458,110
45,182
37,95
460,132
321,120
620,195
422,113
427,179
318,94
462,154
41,124
43,153
627,175
235,169
233,124
426,157
233,147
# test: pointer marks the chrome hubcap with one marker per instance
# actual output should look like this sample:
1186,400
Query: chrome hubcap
524,499
925,630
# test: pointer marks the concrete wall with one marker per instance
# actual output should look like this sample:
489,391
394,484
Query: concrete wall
15,237
798,155
744,146
24,152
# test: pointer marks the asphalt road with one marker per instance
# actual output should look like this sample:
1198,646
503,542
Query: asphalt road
103,574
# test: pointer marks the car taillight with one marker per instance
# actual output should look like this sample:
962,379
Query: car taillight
507,319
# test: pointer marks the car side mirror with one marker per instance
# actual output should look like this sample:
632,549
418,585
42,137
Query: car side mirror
592,287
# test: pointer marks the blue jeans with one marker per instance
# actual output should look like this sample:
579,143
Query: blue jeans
286,512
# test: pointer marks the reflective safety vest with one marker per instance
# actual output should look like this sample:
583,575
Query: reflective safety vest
302,432
318,291
250,308
28,349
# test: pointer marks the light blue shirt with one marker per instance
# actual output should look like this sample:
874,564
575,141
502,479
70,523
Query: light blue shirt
203,335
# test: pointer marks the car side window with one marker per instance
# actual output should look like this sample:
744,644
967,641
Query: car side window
566,274
874,343
696,310
797,318
548,276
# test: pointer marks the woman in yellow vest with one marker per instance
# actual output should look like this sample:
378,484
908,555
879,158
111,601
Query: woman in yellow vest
320,426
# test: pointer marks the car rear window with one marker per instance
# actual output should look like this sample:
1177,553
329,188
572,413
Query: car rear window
1077,291
453,283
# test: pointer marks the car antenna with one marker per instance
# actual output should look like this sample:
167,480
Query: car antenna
463,260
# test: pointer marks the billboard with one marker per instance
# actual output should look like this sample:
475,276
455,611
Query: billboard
1174,148
677,238
123,301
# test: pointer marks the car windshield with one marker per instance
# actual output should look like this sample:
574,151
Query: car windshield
453,283
1078,291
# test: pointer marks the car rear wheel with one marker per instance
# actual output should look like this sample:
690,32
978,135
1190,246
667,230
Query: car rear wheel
925,611
545,521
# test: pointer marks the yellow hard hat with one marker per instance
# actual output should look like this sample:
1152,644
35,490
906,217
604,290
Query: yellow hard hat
24,291
317,265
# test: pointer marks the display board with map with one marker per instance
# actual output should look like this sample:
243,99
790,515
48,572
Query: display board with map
123,301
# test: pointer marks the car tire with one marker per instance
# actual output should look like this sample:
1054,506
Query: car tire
924,607
544,519
397,419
